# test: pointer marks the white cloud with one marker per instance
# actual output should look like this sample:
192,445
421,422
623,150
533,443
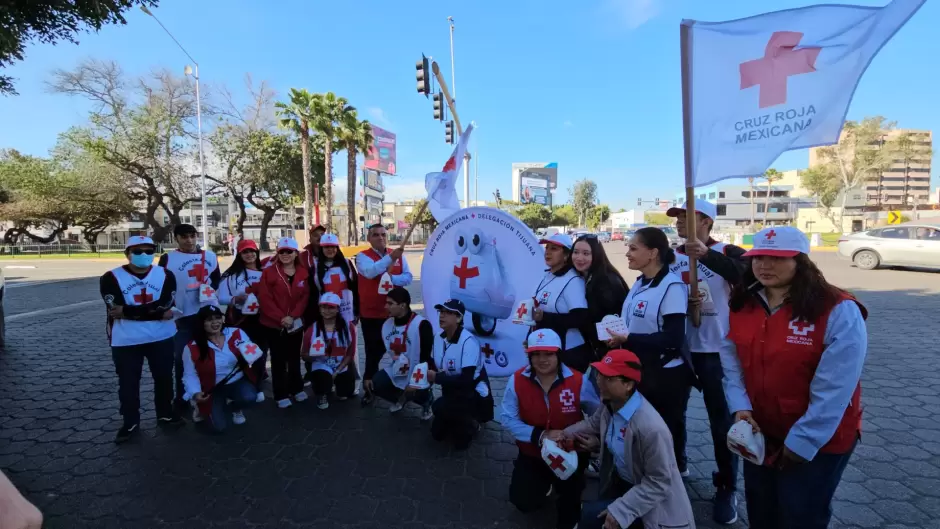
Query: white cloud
633,13
378,116
396,189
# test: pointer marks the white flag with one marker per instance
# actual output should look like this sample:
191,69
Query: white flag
779,81
441,187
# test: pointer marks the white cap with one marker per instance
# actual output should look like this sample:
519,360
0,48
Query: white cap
139,240
543,340
784,241
329,239
559,239
701,206
330,298
288,243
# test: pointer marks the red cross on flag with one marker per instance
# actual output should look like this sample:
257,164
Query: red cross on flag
250,351
251,306
419,377
758,86
318,347
207,295
562,462
441,187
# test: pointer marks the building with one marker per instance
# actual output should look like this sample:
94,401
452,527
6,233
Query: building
625,219
394,218
904,182
534,182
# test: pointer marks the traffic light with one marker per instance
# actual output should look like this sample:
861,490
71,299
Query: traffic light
449,132
423,76
499,199
438,106
639,202
656,200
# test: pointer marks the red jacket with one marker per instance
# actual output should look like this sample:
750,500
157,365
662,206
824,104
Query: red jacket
308,256
280,298
563,409
371,303
206,368
779,357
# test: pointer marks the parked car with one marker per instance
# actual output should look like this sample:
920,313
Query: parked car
617,236
913,244
672,235
603,236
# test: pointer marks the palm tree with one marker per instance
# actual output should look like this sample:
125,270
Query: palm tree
356,136
297,116
329,110
750,183
771,175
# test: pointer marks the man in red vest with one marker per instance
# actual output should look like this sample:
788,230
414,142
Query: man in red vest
372,264
792,367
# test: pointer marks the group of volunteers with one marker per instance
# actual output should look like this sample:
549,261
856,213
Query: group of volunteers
775,350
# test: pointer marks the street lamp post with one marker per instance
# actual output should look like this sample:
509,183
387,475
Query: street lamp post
194,71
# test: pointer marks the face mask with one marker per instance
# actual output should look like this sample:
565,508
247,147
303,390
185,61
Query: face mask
141,261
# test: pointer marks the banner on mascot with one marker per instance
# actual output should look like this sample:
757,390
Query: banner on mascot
487,259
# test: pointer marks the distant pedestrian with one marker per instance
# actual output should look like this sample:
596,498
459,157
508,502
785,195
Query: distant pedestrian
237,284
139,297
330,345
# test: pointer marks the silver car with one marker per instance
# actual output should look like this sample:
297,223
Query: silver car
914,244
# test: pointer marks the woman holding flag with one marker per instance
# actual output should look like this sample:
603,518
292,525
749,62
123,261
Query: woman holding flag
238,281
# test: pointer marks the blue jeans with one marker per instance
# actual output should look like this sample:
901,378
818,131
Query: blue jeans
242,393
592,509
184,335
799,497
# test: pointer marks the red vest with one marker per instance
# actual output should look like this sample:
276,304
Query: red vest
205,369
556,411
779,358
371,303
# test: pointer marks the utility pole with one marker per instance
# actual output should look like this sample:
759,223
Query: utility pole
476,178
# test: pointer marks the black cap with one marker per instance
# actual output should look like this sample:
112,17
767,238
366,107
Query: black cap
183,229
400,295
452,305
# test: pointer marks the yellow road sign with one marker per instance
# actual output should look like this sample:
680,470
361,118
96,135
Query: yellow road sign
894,217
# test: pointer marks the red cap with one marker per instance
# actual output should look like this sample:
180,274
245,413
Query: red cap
617,364
246,244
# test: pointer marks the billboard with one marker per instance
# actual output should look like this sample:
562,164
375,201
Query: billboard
372,179
537,182
381,155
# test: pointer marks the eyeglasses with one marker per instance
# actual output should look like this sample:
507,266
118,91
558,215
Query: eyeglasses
140,251
285,252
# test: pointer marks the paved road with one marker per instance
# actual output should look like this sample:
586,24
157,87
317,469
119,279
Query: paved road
354,467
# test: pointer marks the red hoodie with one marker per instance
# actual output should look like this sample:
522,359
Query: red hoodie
280,297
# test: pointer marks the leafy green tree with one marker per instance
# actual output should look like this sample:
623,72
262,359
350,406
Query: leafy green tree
771,176
297,115
656,218
355,136
50,21
598,216
426,219
583,198
535,216
564,216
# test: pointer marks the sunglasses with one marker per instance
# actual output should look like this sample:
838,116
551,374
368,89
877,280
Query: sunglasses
140,251
588,236
285,252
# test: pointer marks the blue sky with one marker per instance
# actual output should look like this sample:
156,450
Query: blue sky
592,85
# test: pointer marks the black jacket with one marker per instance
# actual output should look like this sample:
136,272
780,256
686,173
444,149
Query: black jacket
605,295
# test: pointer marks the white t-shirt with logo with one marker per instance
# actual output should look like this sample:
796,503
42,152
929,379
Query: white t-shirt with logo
560,295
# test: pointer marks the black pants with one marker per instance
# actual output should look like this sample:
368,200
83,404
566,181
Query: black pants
386,390
531,479
708,368
323,382
578,358
374,344
668,390
285,363
129,363
590,512
455,416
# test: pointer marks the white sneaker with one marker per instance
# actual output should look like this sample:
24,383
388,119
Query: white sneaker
307,384
397,407
426,413
260,397
323,403
238,417
284,403
300,397
197,417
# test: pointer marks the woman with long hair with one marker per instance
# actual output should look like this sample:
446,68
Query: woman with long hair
284,294
792,367
654,313
238,281
216,376
335,274
330,346
604,287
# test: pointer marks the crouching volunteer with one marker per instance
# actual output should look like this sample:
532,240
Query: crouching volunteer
334,273
283,294
792,369
237,283
330,344
466,400
561,304
218,378
139,297
655,313
410,339
541,400
640,483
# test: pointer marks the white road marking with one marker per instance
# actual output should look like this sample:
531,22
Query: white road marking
38,282
53,310
13,267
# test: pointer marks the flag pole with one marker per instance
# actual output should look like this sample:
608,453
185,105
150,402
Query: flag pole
685,46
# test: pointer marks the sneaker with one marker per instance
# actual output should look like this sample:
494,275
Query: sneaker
197,417
724,506
125,433
322,402
238,417
684,471
397,407
284,403
426,413
172,420
260,397
300,397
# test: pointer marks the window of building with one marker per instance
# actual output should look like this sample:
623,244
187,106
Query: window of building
722,210
702,196
746,194
711,195
721,194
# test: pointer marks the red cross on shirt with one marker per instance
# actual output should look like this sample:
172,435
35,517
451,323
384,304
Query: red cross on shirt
143,297
521,311
464,272
557,462
398,346
800,326
336,285
198,272
418,375
641,304
487,350
780,61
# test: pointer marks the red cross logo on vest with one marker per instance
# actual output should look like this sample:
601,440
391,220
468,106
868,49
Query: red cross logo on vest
522,310
770,235
557,462
336,285
143,297
802,328
450,365
253,307
387,285
566,397
464,273
743,451
417,376
487,350
317,345
398,346
250,349
780,61
641,305
207,291
198,272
